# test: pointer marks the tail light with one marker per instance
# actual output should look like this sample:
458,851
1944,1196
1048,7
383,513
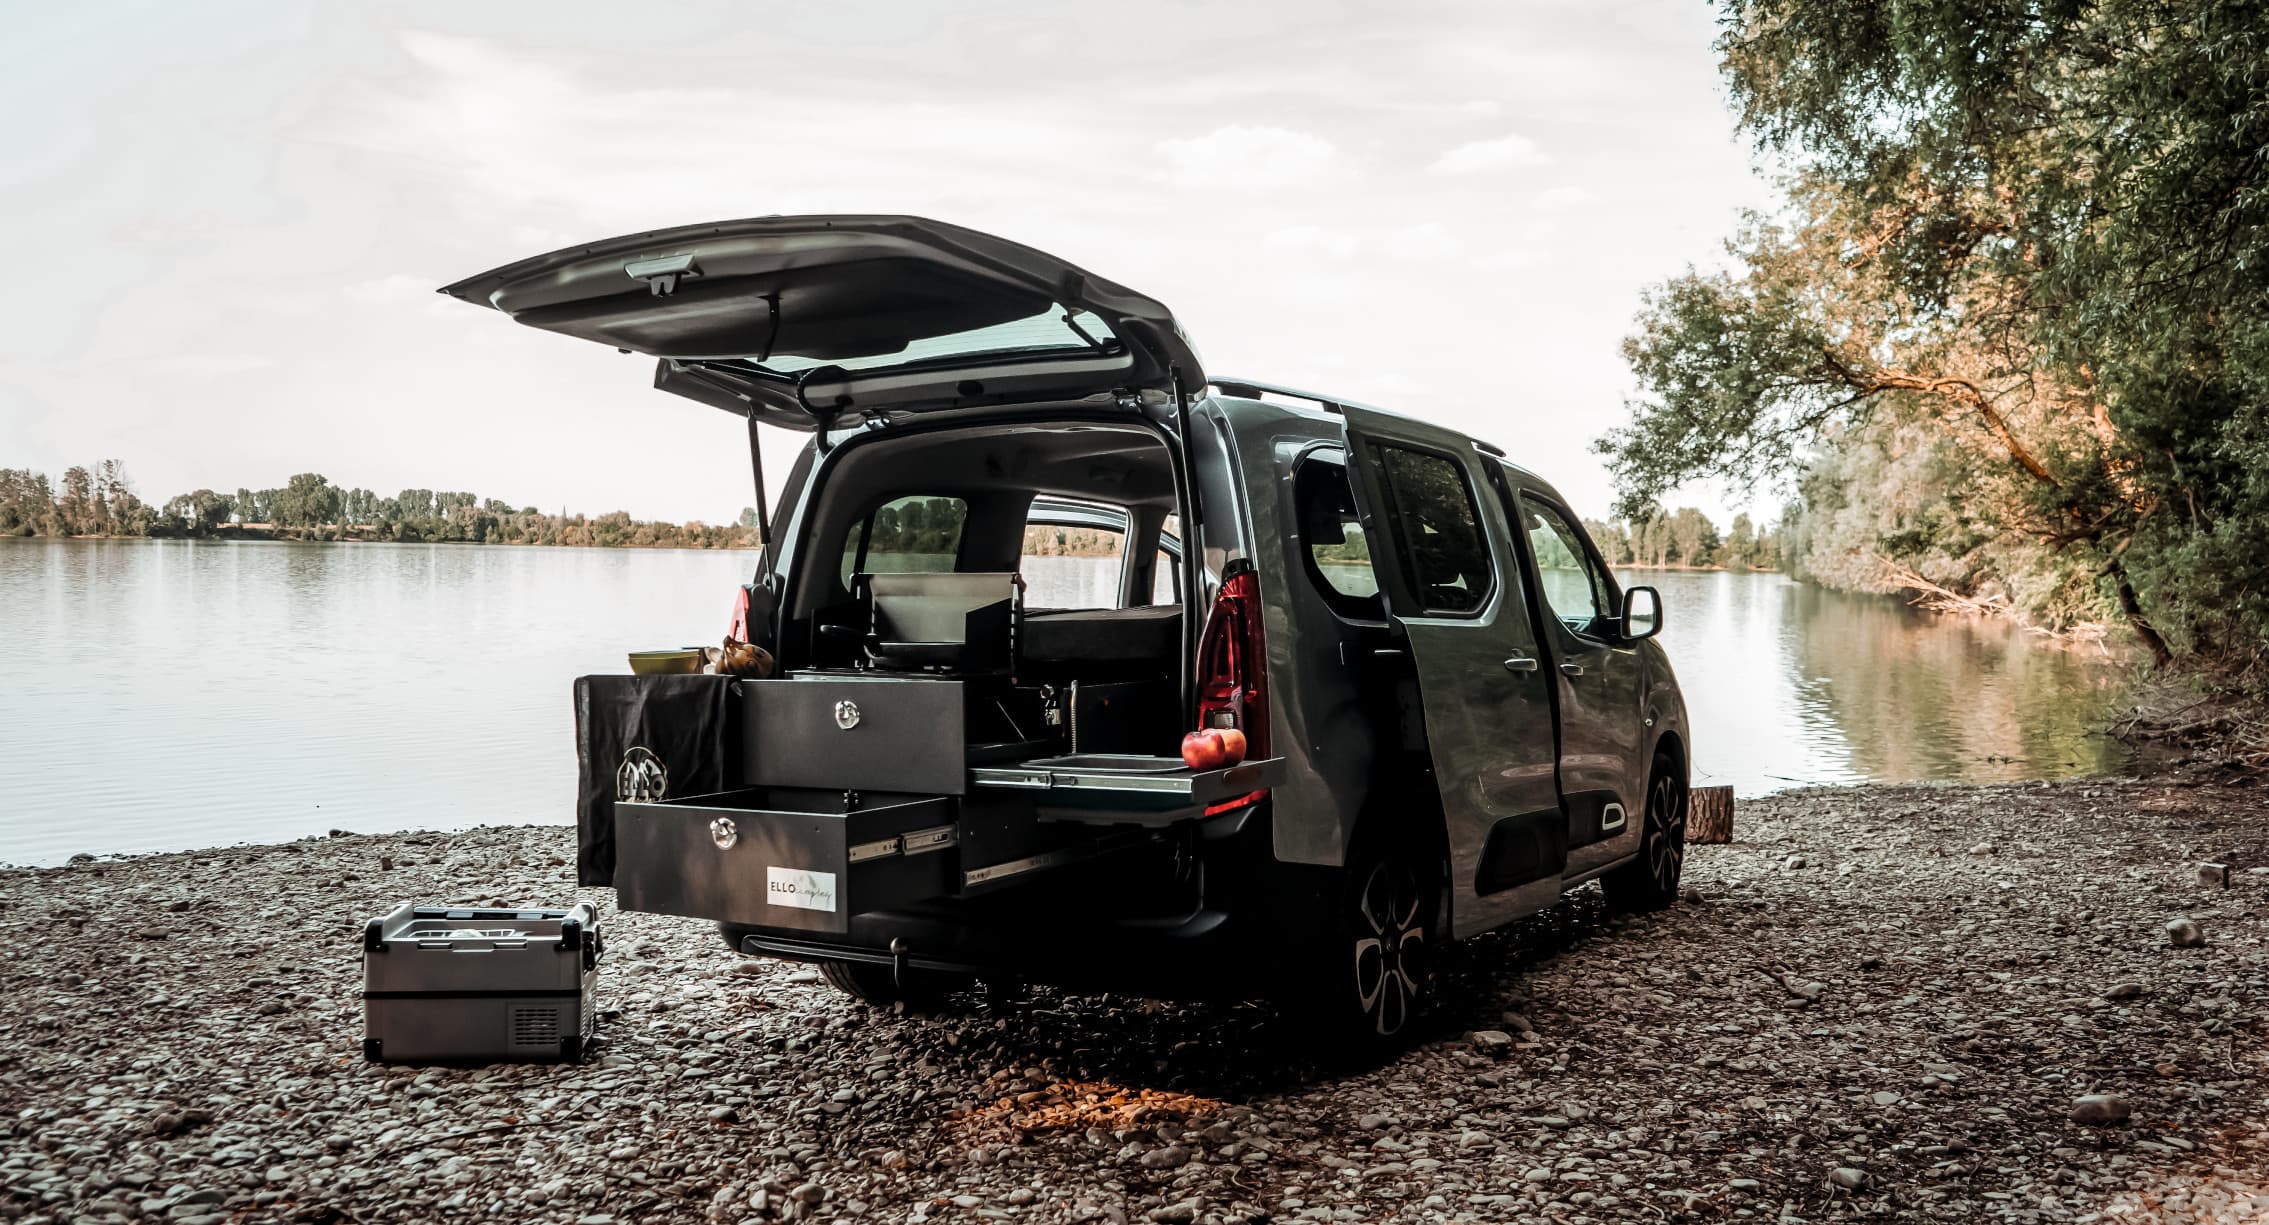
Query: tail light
1232,683
738,631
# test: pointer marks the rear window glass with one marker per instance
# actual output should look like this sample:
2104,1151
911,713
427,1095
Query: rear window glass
918,533
1052,330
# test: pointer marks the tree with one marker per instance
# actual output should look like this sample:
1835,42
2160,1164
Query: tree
2036,231
1739,551
307,500
75,510
1613,539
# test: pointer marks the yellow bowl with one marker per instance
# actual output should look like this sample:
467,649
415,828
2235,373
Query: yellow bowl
666,663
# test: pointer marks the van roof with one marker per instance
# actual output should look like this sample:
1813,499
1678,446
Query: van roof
1319,407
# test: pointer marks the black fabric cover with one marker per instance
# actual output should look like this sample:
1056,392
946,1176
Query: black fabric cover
1103,635
645,738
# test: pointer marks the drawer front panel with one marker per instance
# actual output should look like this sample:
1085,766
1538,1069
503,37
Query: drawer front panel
902,734
787,858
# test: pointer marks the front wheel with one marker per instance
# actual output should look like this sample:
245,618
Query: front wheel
1650,882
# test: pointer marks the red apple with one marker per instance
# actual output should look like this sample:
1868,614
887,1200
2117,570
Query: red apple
1233,745
1204,750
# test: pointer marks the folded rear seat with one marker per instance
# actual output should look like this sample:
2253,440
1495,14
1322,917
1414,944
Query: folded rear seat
1103,635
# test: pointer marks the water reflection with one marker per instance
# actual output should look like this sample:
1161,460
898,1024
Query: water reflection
167,694
1787,683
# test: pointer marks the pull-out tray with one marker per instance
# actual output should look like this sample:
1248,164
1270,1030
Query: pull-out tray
1117,789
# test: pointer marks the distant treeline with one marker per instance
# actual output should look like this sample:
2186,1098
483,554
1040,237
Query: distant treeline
1686,537
100,502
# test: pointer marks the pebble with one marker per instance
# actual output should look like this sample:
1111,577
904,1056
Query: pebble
1171,1157
2185,934
1639,1068
1493,1042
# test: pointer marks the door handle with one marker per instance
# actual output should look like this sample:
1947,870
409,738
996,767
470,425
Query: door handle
1571,669
1520,663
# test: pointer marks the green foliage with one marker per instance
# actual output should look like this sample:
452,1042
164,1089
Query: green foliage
99,502
2010,335
1684,538
918,526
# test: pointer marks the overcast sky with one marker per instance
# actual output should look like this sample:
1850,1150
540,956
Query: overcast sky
229,218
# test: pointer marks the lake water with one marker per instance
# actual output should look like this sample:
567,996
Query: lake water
161,695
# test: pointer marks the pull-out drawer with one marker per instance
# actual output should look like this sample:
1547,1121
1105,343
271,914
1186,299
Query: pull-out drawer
1115,789
788,857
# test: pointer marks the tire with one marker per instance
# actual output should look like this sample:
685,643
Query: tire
1650,882
1370,977
923,990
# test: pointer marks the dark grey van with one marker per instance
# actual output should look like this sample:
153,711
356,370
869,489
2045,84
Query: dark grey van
969,764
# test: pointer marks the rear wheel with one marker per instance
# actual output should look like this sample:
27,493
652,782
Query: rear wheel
1650,882
1372,977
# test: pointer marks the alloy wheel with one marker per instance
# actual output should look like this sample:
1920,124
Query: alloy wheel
1666,832
1389,943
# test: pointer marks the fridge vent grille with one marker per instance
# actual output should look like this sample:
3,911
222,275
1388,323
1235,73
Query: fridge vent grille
535,1027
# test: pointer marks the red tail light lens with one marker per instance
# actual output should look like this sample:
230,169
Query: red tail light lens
1233,663
738,630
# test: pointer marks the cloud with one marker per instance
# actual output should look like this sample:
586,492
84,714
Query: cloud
1488,156
1249,156
1428,240
211,365
395,288
1560,199
1313,238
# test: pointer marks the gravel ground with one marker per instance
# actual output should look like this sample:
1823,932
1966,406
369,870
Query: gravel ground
1884,1002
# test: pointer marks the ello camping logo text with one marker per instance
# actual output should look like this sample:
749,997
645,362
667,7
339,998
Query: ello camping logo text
799,888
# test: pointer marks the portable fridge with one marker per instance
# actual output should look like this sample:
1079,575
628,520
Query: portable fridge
447,983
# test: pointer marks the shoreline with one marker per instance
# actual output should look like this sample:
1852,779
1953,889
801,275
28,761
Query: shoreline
269,538
1881,994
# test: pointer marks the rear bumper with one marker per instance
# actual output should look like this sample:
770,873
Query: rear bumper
1198,954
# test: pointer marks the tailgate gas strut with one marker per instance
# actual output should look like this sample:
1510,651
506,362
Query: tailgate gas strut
756,464
1192,561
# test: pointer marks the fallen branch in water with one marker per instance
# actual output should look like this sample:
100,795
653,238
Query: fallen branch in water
1932,596
2214,728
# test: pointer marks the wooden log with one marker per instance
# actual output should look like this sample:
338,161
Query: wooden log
1709,814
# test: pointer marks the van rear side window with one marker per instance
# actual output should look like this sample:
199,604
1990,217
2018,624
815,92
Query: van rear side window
917,533
1331,535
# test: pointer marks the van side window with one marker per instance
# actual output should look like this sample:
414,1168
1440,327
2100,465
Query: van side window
1574,586
1165,579
1072,566
1331,535
1445,556
906,534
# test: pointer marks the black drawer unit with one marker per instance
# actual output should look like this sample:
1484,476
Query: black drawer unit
879,733
801,858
